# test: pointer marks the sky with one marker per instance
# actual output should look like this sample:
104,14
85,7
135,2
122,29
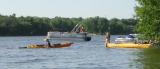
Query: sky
69,8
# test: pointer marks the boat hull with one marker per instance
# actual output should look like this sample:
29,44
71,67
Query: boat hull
52,46
128,45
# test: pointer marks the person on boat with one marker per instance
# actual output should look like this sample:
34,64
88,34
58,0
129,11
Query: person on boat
47,40
82,29
107,39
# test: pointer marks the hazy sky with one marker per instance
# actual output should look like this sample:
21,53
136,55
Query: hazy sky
69,8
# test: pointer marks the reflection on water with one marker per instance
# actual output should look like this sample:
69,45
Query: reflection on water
149,59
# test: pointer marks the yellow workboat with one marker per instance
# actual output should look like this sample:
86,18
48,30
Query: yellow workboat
127,42
127,45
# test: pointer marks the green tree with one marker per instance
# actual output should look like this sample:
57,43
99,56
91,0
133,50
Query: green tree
148,15
96,24
129,25
116,26
62,24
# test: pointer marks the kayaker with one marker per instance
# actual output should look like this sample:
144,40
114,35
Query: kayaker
47,40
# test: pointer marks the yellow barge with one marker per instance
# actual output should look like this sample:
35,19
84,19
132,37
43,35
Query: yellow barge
127,45
129,42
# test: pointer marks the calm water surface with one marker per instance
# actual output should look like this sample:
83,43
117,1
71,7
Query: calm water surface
81,55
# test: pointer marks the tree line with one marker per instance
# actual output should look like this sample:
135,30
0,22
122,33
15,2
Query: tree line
29,25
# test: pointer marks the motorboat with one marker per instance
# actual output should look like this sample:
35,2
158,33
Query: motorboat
126,39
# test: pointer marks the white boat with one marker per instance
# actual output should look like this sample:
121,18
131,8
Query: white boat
78,32
126,39
69,36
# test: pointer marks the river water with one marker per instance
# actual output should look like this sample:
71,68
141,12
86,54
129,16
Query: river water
81,55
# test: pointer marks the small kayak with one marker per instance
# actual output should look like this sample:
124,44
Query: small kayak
128,45
58,45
